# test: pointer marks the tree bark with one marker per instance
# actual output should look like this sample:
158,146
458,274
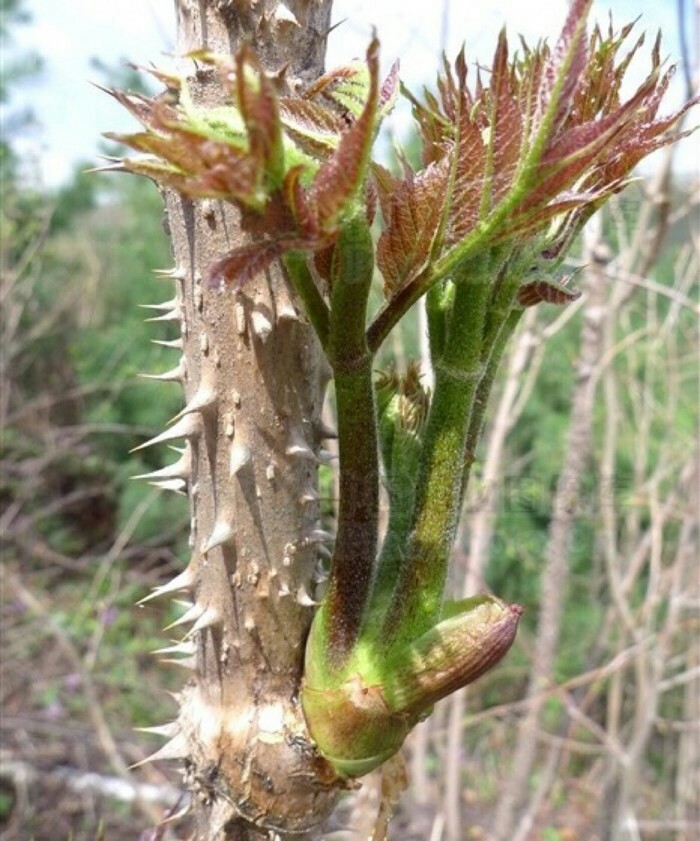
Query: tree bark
254,378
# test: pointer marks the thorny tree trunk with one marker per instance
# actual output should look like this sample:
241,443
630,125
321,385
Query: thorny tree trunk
554,577
253,379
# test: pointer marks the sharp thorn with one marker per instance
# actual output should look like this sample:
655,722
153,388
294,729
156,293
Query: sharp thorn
298,447
303,451
181,469
184,428
116,167
201,400
177,344
223,532
190,615
178,486
176,816
211,616
184,581
304,599
176,748
262,327
175,314
166,730
171,274
166,306
287,313
184,647
189,663
176,374
318,536
325,431
240,456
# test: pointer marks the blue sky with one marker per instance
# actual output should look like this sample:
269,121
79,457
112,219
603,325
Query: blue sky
69,33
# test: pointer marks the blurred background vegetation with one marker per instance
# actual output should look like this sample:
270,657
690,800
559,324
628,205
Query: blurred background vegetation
591,727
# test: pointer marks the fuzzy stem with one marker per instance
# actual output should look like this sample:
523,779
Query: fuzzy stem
483,393
438,302
295,262
418,595
358,510
401,502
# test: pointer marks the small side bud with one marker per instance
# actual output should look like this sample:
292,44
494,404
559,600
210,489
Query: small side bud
454,653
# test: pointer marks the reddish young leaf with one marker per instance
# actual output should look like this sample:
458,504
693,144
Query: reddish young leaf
389,89
414,215
323,263
549,292
563,69
243,264
296,200
158,171
577,149
257,102
173,149
314,128
152,114
468,188
385,184
506,127
339,178
213,169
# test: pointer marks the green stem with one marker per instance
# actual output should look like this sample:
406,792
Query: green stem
418,594
401,499
354,556
483,393
438,302
295,262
